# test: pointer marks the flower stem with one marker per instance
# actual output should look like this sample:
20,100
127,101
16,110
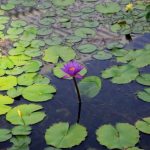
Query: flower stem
79,99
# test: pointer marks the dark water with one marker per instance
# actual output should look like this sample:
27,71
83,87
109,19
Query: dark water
115,103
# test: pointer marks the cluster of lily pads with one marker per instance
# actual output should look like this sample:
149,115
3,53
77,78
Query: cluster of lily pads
25,49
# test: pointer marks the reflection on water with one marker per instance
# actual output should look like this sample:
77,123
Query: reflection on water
115,103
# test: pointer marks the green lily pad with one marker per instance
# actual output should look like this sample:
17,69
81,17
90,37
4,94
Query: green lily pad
33,52
144,95
90,86
144,79
32,66
62,135
7,82
21,130
15,92
63,3
30,114
7,6
53,53
47,21
20,143
53,41
102,55
4,101
15,31
87,48
121,74
4,19
143,125
108,8
44,31
85,32
15,71
5,135
39,92
26,79
122,136
19,60
18,23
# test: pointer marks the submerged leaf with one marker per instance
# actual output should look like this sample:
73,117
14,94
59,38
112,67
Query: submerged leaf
90,86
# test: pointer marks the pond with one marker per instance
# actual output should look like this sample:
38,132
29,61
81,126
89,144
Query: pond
46,47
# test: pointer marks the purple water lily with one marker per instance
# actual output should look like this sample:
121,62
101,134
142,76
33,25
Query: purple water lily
72,69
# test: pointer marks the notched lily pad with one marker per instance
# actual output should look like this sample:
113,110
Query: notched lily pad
63,135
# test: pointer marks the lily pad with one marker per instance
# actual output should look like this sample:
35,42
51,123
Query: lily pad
84,32
143,125
39,92
15,92
7,82
144,79
53,53
4,101
5,135
30,114
122,136
102,55
63,3
21,130
121,74
144,95
87,48
90,86
20,143
108,8
63,135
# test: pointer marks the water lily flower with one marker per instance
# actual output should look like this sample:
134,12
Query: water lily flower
19,113
72,69
129,7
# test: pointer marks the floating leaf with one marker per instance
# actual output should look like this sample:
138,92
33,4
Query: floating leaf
144,95
108,8
7,82
21,130
61,135
144,79
15,92
87,48
19,60
143,125
121,74
26,79
30,114
63,3
39,92
84,32
5,135
32,66
20,143
90,86
53,53
4,100
102,55
122,136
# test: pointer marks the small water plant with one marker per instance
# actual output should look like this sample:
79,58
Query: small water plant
72,70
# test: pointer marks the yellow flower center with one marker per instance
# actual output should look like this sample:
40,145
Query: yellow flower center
72,68
129,7
19,113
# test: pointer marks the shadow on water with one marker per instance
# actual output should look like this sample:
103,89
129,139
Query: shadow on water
115,103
